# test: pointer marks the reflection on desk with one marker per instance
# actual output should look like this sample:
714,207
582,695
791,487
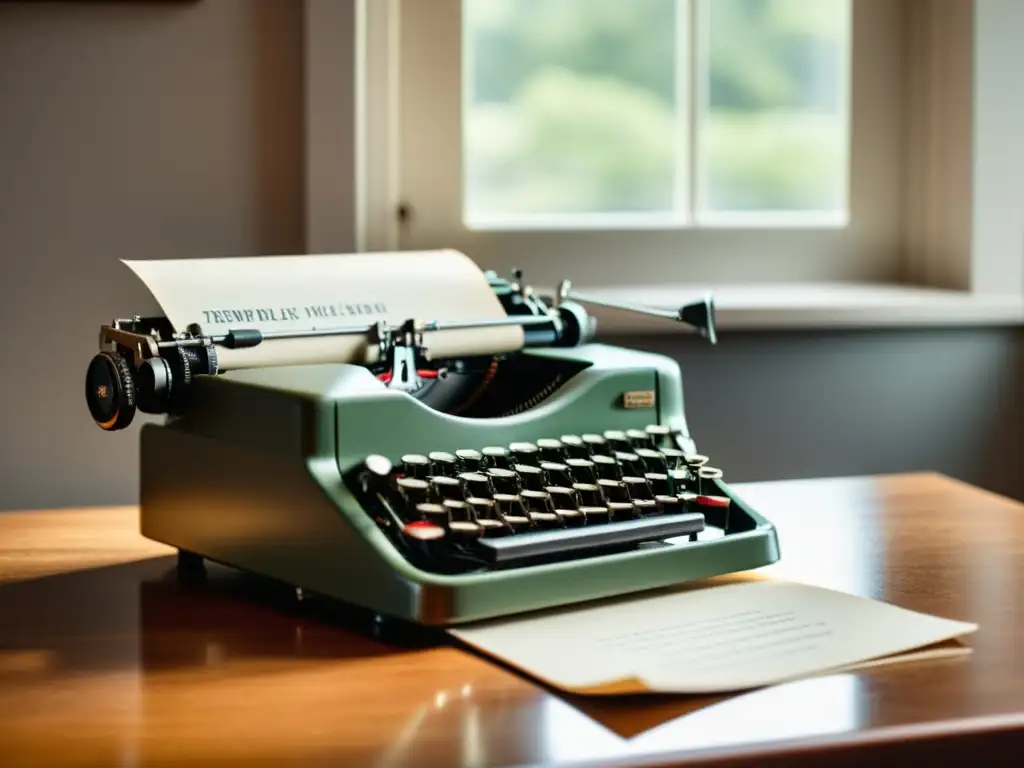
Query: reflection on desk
108,660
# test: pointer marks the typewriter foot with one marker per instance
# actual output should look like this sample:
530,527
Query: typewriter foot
191,567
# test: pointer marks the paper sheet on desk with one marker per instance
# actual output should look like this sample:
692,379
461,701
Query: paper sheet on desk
714,640
288,293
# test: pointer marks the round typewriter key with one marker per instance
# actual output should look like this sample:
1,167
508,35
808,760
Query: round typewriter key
674,458
582,470
433,513
606,468
556,473
523,451
476,484
595,515
713,501
679,478
413,489
614,490
551,449
446,488
465,530
658,433
414,465
471,460
704,475
574,446
621,510
668,505
617,440
562,497
531,477
594,443
645,507
653,461
659,483
458,510
637,488
630,463
686,497
695,460
421,530
442,463
538,506
638,438
504,480
589,494
510,509
496,457
570,518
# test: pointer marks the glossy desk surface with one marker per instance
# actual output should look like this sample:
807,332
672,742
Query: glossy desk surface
106,660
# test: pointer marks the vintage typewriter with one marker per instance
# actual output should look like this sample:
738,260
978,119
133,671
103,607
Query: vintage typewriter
424,476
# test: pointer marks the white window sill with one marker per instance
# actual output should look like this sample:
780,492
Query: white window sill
810,307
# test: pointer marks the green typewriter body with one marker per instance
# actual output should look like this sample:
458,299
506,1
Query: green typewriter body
572,477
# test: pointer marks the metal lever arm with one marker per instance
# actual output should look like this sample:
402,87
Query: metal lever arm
699,314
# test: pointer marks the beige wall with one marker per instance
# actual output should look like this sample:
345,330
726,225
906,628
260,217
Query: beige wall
127,130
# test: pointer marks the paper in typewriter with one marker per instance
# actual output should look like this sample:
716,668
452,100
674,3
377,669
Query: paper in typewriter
714,640
315,292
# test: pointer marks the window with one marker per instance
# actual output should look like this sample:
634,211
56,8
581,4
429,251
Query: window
603,113
633,143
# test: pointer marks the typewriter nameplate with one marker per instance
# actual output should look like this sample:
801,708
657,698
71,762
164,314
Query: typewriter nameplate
641,398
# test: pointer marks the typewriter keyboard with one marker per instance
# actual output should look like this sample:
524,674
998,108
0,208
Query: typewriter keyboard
529,502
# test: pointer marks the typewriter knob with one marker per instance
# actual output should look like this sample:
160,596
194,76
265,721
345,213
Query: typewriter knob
110,391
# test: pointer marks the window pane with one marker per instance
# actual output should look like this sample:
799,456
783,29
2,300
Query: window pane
773,116
569,109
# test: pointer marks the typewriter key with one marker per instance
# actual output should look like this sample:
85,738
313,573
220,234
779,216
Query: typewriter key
673,458
695,460
562,497
645,507
510,509
581,470
532,478
442,463
606,468
433,513
704,476
639,438
504,480
668,505
637,488
486,516
678,479
621,510
496,457
659,483
471,461
464,530
617,440
658,433
414,465
595,515
589,494
629,463
476,484
458,511
538,506
686,497
614,490
551,450
556,473
713,501
524,452
595,443
446,488
421,530
653,461
575,448
414,490
570,518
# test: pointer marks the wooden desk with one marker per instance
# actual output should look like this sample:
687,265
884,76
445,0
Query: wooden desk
105,659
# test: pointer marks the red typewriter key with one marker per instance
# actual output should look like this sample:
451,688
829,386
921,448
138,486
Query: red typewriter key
714,501
421,530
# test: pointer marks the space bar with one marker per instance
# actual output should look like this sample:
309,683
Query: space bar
529,546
